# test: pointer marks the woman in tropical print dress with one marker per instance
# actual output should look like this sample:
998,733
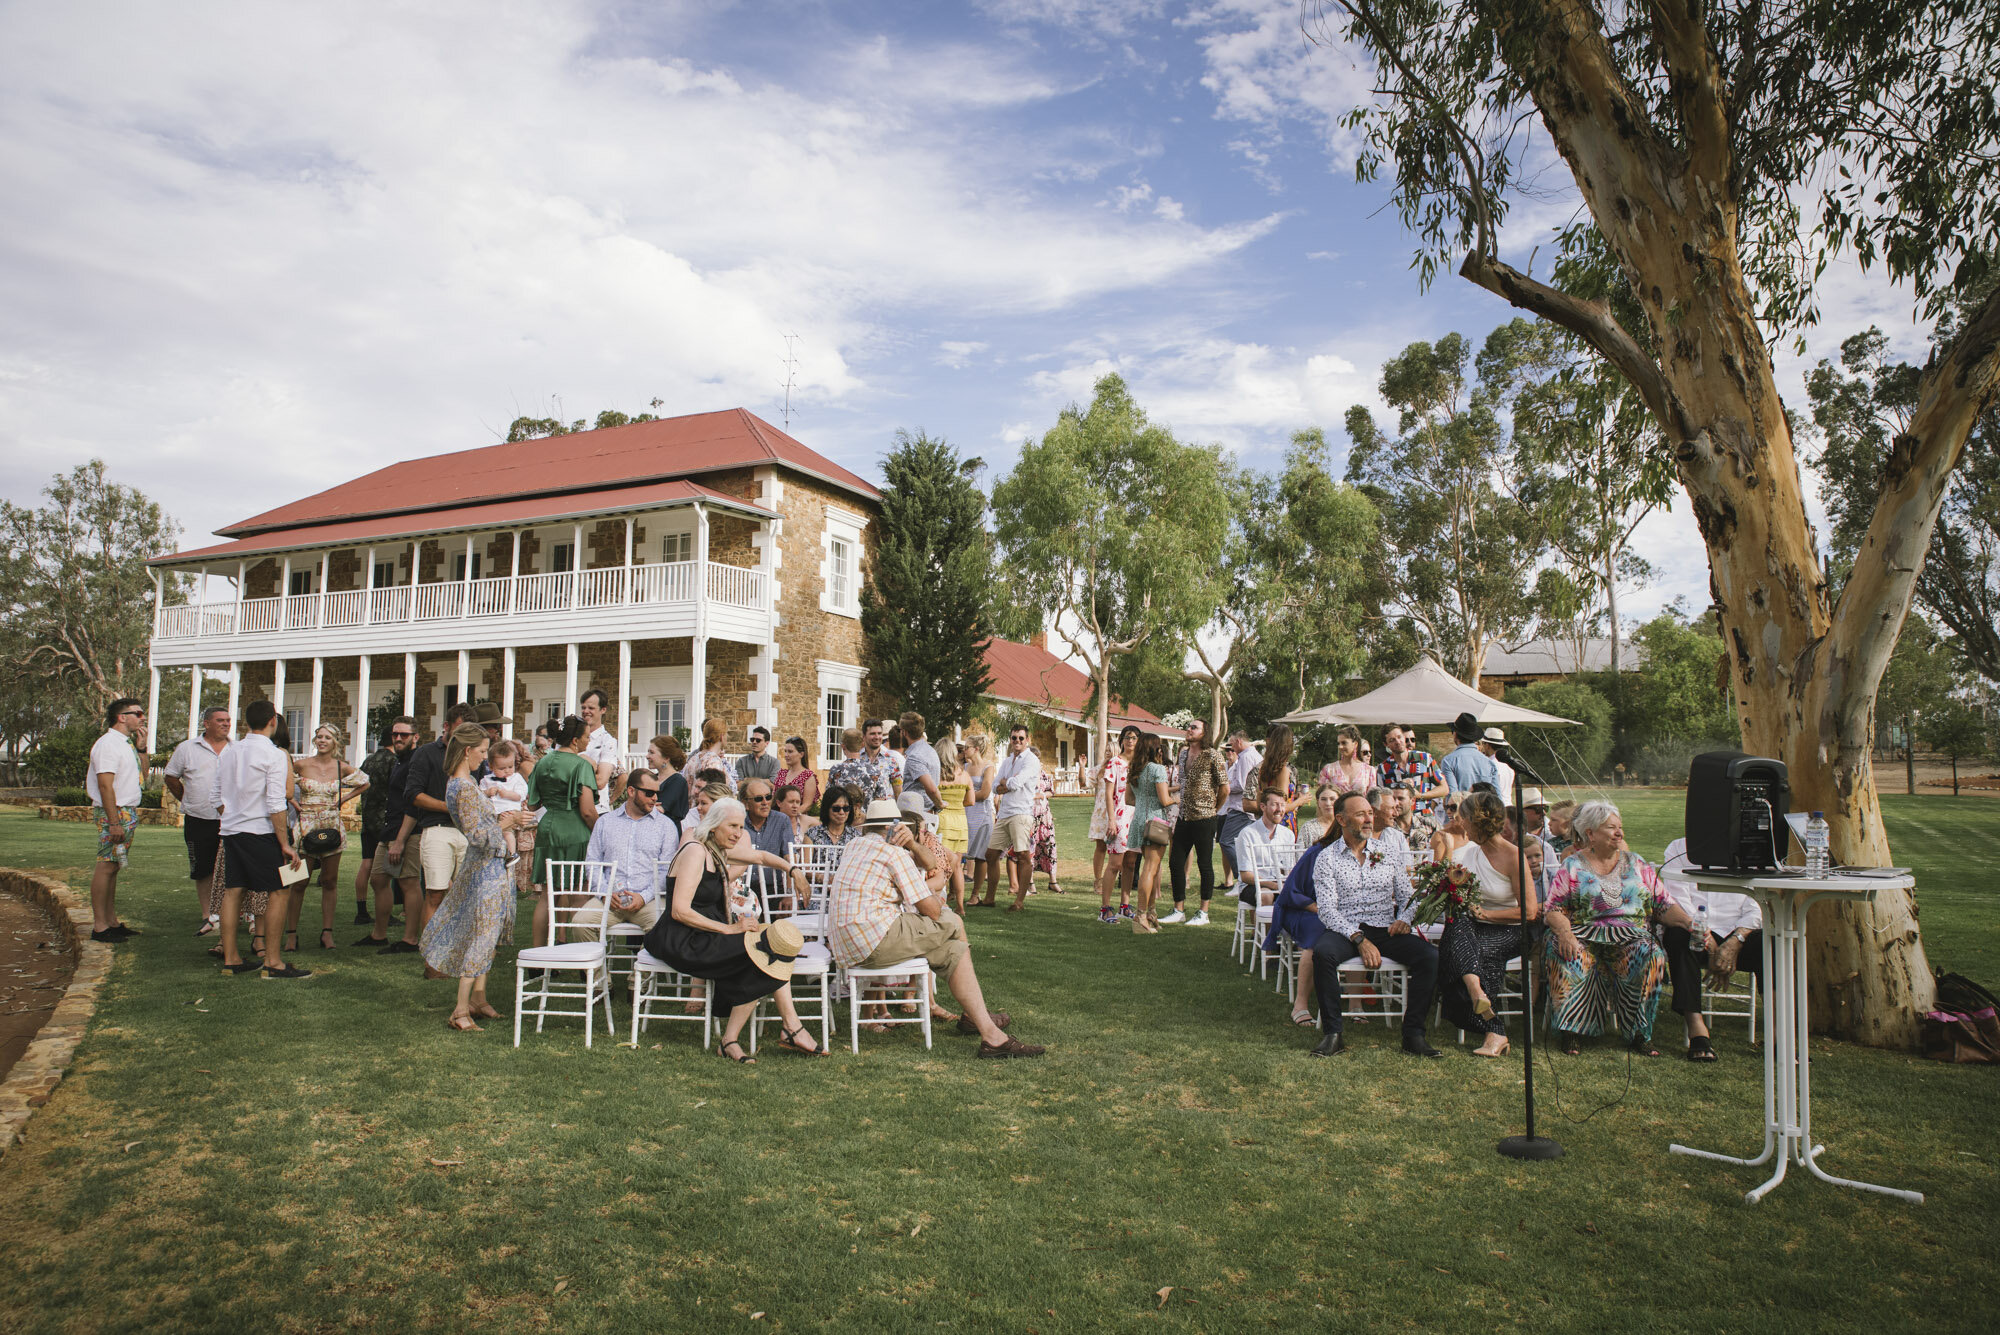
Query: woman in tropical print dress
477,912
1114,843
1045,829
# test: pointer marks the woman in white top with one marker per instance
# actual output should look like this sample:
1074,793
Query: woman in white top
1474,952
977,771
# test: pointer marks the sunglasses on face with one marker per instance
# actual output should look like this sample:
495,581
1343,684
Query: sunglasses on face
647,792
840,810
400,736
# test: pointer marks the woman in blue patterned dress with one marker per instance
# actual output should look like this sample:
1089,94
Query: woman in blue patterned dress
1603,964
477,912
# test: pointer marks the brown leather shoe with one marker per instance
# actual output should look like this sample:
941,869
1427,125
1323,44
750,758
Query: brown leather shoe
1013,1047
1001,1019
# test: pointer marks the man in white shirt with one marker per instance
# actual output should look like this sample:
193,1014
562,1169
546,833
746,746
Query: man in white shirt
1244,762
254,778
1386,806
1014,819
1267,832
602,750
1732,939
114,781
1489,746
190,774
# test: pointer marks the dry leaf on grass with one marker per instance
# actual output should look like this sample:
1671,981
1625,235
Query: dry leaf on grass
918,1229
129,1144
756,1316
561,1284
447,1163
1163,1294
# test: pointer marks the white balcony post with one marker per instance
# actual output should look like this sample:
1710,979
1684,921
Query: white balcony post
313,700
242,577
464,675
284,606
575,577
367,618
325,568
624,693
507,688
513,600
194,700
235,690
360,738
626,597
465,593
569,678
416,569
152,704
698,688
159,602
410,684
278,687
201,605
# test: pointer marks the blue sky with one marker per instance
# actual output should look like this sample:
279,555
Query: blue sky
250,251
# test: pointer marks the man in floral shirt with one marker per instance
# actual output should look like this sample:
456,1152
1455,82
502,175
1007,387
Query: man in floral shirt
1363,893
1419,767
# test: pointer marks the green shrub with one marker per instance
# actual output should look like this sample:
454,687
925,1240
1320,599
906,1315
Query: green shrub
64,755
1666,759
1577,754
72,797
150,800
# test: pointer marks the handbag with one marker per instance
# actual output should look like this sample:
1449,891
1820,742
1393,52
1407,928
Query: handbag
325,842
1158,831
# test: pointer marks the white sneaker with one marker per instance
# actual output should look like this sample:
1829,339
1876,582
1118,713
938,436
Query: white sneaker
1198,920
1175,916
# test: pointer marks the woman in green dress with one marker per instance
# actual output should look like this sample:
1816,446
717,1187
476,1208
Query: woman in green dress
564,787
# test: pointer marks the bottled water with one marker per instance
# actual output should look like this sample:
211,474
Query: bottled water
1817,841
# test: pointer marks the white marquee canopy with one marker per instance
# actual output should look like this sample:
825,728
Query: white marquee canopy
1426,694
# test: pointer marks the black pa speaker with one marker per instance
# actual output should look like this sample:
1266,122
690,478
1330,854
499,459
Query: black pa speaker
1736,808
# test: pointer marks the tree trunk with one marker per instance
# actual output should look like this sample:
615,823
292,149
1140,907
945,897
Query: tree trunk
1910,753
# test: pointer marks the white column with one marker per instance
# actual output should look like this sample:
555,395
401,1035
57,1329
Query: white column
626,597
569,679
242,575
507,687
465,593
410,687
235,687
367,615
362,745
698,688
159,601
152,703
194,701
278,684
201,604
312,700
624,684
575,576
325,566
284,606
513,593
698,684
464,674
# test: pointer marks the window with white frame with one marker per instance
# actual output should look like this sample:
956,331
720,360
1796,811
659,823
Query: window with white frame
295,724
301,583
669,715
677,546
839,709
385,574
839,705
840,562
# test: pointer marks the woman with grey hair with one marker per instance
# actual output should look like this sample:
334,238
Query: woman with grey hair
1603,964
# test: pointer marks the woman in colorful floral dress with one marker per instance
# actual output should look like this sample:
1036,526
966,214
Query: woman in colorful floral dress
1603,964
1045,829
1113,800
477,912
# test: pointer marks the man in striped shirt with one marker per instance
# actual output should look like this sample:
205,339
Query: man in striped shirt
881,912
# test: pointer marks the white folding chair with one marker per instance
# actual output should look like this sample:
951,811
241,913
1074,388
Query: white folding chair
812,994
817,863
1388,995
660,992
1739,998
874,987
1268,866
569,895
622,940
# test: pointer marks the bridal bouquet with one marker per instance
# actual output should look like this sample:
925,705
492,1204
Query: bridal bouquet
1444,890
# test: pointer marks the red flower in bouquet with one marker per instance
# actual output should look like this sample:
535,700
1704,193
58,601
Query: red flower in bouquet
1444,890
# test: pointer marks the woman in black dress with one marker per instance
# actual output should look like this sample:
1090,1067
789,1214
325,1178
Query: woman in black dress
698,936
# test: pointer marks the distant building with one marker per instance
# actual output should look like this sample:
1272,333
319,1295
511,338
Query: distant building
1028,679
1553,660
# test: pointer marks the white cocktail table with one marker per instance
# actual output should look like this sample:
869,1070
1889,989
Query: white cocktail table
1784,899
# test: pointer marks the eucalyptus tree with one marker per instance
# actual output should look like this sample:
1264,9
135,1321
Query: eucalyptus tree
1724,152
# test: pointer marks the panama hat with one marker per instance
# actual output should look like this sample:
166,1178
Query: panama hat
1532,797
1495,736
774,948
884,812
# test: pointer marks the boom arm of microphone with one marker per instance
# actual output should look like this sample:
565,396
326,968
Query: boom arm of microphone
1512,759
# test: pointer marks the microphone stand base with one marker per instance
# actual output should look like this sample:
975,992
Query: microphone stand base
1530,1147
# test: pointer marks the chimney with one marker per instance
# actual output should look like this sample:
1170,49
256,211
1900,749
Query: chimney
1040,639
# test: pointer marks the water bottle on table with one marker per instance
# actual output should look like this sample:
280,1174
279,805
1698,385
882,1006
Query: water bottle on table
1818,839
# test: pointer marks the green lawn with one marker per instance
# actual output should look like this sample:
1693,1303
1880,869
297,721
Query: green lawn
325,1156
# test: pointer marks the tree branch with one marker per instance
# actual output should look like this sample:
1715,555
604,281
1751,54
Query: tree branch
1697,82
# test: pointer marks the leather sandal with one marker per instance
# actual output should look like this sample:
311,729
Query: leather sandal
1701,1049
465,1024
1568,1044
742,1058
790,1041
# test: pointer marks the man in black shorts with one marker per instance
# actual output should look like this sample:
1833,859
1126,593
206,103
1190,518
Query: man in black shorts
253,778
382,796
190,774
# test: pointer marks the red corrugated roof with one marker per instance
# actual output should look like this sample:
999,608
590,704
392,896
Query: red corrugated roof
463,518
675,447
1032,676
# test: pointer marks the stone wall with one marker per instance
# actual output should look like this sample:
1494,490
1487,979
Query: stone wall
35,1077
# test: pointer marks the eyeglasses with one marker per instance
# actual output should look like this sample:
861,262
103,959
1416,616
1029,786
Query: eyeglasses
839,809
645,792
761,797
131,713
399,736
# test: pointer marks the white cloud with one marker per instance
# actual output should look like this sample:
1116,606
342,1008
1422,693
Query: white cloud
1101,18
1264,73
958,354
280,248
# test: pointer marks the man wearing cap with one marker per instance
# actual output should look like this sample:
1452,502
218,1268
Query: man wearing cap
881,912
1490,743
1467,764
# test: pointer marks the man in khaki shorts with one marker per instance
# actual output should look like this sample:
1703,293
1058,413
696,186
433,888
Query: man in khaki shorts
881,912
1019,773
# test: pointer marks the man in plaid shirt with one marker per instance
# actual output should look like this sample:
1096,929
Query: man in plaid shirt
1419,768
881,912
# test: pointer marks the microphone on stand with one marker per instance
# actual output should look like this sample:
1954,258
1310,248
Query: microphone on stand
1531,1145
1511,758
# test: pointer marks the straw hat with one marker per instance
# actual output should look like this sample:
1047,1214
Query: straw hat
1532,797
1495,736
884,812
773,948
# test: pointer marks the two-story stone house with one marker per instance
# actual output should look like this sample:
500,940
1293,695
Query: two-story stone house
699,566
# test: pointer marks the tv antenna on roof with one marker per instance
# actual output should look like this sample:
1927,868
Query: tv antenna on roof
791,374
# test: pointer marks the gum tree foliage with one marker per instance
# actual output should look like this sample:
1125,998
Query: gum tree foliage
1725,151
924,604
1114,531
75,592
1295,565
540,428
1458,550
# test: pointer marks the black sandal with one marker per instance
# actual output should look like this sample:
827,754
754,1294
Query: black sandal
791,1042
1568,1044
1643,1047
722,1050
326,938
1700,1049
